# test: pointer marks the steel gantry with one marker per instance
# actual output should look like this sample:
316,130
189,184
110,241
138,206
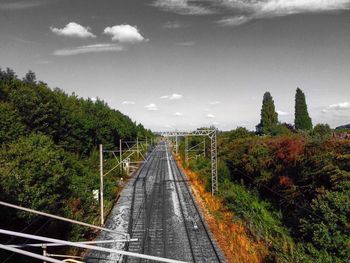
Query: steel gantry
211,133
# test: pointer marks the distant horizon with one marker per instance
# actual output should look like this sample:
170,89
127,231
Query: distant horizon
183,64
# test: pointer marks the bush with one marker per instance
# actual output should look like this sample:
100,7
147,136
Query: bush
322,132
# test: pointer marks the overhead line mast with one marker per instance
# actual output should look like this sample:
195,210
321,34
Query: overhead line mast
211,133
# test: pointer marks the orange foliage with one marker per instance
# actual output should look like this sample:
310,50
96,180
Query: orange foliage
288,149
231,236
285,181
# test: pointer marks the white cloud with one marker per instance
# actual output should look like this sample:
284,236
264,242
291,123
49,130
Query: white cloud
21,4
245,11
173,96
124,34
128,102
178,114
238,12
216,102
93,99
340,111
210,115
151,107
234,21
183,7
282,113
73,29
88,49
340,106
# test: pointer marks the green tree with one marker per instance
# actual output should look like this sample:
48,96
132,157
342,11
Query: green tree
11,126
239,133
269,117
302,119
322,131
30,78
329,230
33,172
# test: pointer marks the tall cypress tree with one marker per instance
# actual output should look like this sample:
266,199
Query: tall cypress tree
302,119
269,117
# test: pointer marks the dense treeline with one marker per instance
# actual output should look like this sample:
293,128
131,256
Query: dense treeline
292,191
48,154
290,184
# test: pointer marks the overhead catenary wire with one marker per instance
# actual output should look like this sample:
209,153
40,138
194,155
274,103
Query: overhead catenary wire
29,254
60,218
69,243
36,219
27,240
84,242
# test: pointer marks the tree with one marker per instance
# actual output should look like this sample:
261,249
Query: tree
11,126
239,133
302,119
269,117
30,78
322,131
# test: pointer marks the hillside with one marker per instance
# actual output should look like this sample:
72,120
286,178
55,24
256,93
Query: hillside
290,191
49,158
347,126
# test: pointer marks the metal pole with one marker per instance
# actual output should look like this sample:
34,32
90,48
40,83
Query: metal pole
101,184
44,252
29,254
120,154
137,147
204,147
61,218
214,164
84,242
177,146
73,244
186,149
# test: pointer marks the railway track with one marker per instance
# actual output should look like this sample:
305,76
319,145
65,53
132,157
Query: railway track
201,242
164,216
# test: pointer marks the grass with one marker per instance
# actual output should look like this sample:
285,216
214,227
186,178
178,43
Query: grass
231,235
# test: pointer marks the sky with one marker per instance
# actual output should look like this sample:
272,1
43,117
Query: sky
183,64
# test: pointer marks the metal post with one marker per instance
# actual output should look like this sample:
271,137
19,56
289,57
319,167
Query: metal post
120,154
186,149
176,146
44,252
212,134
204,147
214,165
101,184
137,147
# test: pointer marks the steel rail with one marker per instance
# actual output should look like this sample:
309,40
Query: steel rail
149,209
197,211
132,208
170,170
